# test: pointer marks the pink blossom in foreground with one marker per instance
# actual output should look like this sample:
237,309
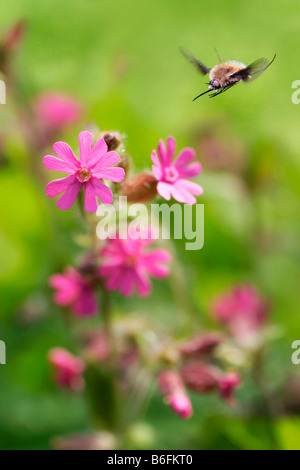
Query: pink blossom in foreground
68,369
172,388
128,264
72,290
173,176
56,110
94,165
243,311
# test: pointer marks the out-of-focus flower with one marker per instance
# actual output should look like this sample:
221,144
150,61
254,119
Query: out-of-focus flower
172,388
173,176
200,377
9,43
228,383
139,188
204,378
88,441
72,290
201,345
127,264
13,37
243,311
94,165
56,111
68,369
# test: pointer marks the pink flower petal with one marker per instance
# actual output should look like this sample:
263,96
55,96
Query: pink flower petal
164,189
85,140
98,151
171,147
143,283
86,305
190,171
90,200
110,158
67,200
157,171
112,174
155,158
181,194
59,186
103,192
65,152
190,186
53,163
185,157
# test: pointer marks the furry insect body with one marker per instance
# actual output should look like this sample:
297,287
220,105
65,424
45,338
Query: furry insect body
225,75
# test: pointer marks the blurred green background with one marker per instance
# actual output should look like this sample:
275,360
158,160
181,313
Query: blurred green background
122,59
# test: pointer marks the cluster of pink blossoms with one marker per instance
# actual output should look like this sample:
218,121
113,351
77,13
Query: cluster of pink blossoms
126,265
97,163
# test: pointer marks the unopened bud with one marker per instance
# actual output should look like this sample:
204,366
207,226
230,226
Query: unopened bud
113,140
181,404
139,188
200,377
201,345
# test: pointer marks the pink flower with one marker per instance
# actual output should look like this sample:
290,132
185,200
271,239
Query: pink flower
93,165
181,404
127,265
243,311
173,176
56,110
74,291
68,369
228,383
172,387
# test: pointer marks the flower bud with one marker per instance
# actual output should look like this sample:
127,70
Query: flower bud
113,140
228,383
200,377
181,404
68,369
139,188
172,388
201,345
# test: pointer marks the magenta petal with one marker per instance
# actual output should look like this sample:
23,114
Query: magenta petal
85,140
59,186
90,200
98,151
67,200
190,186
164,189
65,152
181,194
157,171
185,157
112,174
162,152
103,192
155,158
171,147
86,305
109,159
56,164
191,171
143,283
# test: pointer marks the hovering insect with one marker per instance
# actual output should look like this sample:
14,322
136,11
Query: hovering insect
227,74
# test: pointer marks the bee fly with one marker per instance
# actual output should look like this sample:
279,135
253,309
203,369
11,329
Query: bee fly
227,74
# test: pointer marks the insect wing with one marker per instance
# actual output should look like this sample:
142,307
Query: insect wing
253,70
191,58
